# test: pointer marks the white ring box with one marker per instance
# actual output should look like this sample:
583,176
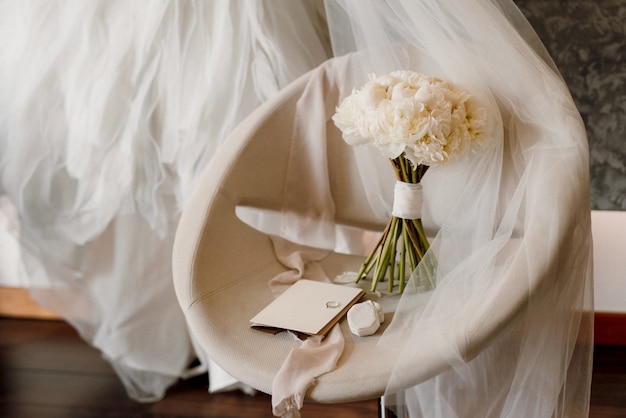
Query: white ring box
365,318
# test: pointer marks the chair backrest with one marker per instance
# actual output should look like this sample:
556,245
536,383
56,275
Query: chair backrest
222,265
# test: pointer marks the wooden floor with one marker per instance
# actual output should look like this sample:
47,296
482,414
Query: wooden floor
48,371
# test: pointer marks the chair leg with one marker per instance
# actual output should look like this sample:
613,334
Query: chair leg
383,412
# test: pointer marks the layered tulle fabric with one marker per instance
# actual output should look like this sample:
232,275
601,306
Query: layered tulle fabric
511,224
108,112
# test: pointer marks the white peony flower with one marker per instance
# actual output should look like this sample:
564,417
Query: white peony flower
422,119
429,120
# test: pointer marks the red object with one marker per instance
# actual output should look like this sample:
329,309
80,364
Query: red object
610,328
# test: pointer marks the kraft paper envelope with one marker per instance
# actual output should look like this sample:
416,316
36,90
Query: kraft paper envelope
307,307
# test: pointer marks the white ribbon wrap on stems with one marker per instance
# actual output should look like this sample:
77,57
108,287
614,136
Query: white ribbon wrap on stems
407,200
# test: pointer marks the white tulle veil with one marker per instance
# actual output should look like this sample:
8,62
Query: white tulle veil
516,214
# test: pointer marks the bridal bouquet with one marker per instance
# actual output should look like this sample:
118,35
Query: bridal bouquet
417,121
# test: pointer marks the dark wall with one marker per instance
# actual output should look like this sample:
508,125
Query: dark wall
587,40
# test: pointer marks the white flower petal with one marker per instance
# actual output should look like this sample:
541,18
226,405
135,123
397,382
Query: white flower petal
430,120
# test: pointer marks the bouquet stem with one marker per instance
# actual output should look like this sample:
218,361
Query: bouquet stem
402,242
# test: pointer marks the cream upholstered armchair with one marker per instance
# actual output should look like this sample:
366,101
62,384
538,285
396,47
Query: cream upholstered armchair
222,265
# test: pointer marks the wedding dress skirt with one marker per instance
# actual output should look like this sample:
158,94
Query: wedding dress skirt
108,112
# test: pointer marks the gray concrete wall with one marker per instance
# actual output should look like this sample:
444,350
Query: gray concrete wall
587,40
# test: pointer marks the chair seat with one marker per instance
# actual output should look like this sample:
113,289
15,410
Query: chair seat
254,357
222,267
